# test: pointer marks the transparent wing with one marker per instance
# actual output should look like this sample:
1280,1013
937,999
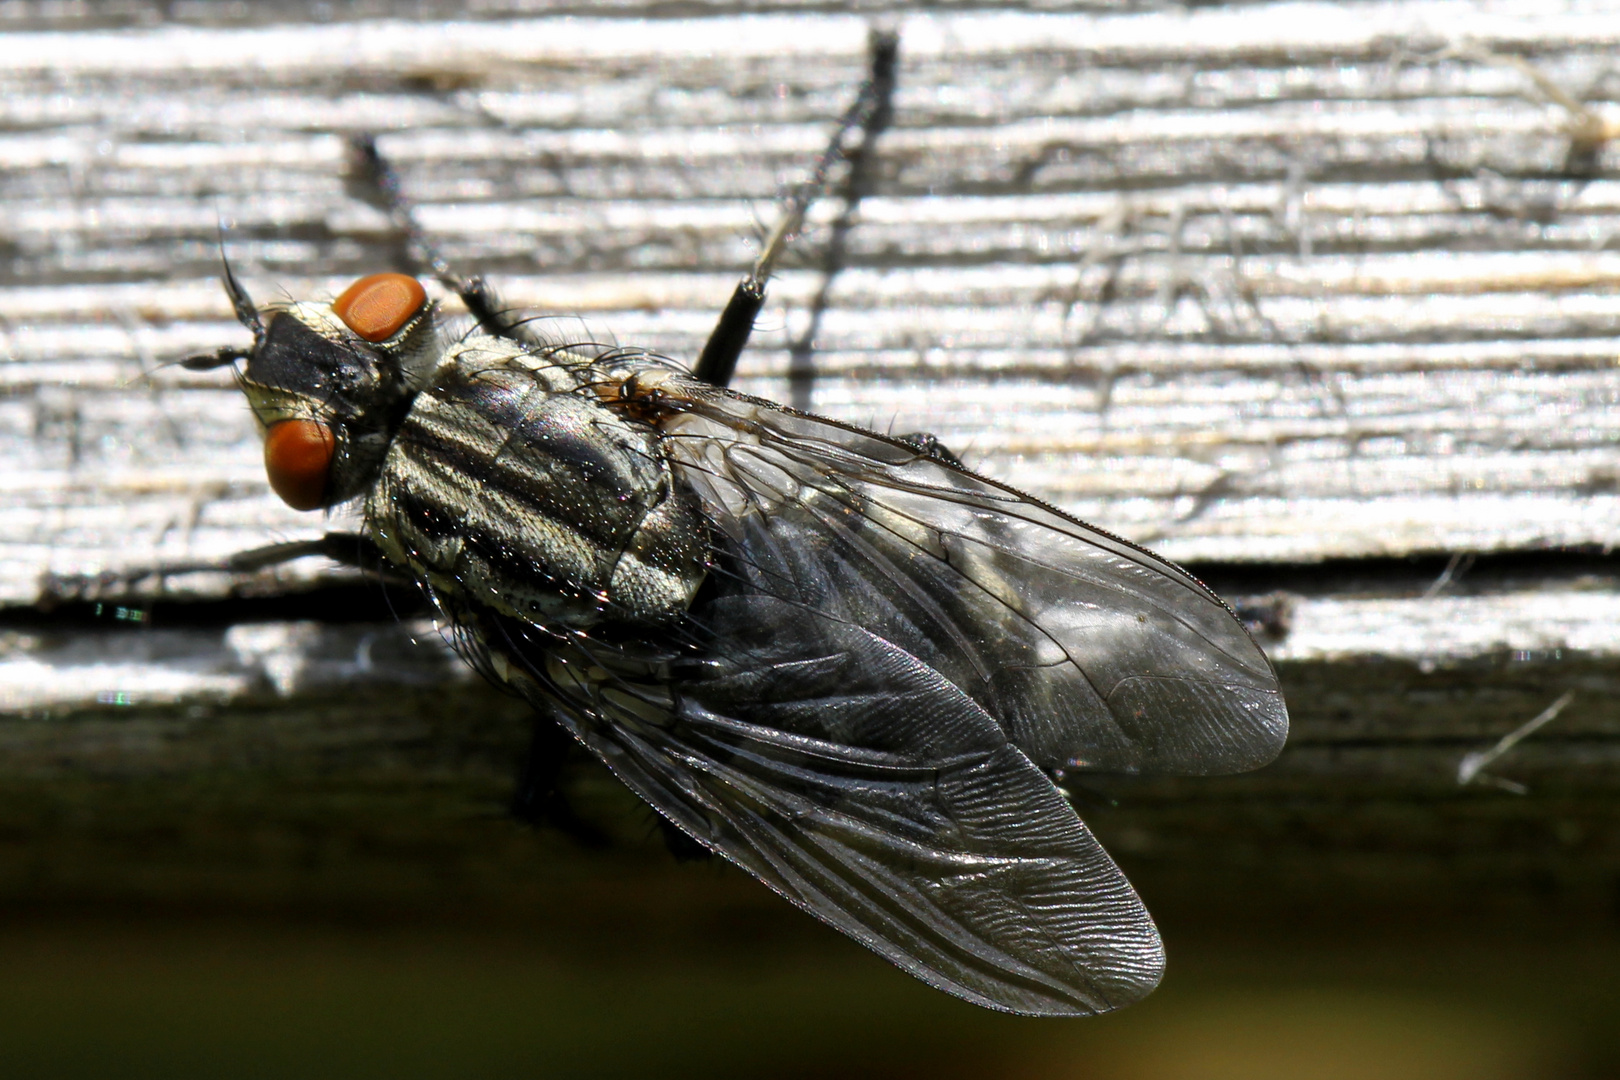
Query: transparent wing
863,705
857,782
1090,653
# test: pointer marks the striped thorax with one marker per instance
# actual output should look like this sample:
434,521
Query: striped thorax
510,477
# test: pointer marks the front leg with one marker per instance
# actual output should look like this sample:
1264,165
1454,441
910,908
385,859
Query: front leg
347,549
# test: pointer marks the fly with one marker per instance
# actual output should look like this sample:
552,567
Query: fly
838,659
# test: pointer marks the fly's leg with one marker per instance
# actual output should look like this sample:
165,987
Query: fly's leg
347,549
377,179
539,798
869,115
930,445
718,361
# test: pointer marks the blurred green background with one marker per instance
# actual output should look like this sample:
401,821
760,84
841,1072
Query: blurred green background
758,990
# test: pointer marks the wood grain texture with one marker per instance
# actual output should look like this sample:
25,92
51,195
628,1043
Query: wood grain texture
1252,283
1263,285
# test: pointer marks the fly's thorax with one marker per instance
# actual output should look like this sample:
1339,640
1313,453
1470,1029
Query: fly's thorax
330,383
512,485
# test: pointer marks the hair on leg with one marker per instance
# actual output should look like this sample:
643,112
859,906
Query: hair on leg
869,115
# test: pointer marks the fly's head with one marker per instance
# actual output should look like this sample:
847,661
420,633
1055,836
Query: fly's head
329,384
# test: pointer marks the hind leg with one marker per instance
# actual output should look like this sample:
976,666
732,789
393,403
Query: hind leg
539,798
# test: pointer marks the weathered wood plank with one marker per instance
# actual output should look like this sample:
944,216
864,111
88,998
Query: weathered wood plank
1262,285
1269,263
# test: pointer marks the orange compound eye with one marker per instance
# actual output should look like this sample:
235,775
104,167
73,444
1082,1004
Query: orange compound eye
298,458
376,306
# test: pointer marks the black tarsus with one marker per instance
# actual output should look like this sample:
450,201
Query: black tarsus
374,173
930,445
539,798
858,183
348,549
870,113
